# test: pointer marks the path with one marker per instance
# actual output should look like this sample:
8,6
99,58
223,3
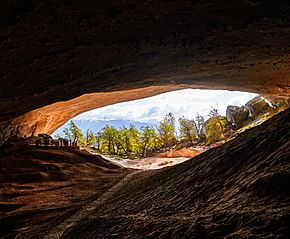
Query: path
87,209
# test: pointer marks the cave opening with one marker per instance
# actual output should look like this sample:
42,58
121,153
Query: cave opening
62,58
168,128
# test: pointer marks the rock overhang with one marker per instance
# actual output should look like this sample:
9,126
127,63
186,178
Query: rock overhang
61,59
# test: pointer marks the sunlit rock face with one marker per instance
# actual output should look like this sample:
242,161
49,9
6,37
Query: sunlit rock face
49,118
52,53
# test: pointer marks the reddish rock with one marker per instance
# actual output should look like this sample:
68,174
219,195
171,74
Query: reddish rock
56,57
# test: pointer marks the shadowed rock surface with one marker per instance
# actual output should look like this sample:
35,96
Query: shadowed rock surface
75,56
45,185
238,190
61,58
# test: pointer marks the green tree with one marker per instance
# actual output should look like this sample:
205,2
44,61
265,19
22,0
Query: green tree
90,139
187,129
166,130
73,133
148,140
215,128
98,142
108,136
128,139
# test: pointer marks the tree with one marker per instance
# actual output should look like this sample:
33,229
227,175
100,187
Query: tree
199,125
188,129
214,112
108,136
148,140
166,130
90,139
215,128
67,134
128,139
98,142
74,134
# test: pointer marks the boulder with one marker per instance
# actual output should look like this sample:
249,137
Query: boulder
46,139
237,115
40,139
257,106
36,140
15,139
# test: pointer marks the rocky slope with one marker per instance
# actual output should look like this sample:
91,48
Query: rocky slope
47,184
238,190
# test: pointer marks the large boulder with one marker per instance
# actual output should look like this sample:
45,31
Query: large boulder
41,139
46,139
237,115
257,106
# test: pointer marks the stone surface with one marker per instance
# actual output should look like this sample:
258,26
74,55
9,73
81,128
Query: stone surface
257,106
237,190
237,115
53,55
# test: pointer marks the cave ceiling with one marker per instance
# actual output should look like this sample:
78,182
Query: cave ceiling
61,58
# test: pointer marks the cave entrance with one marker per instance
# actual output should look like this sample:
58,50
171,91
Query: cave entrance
166,129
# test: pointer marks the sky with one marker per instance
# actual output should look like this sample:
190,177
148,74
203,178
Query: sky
180,103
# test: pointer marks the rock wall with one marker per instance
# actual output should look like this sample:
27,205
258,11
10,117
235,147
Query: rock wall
52,54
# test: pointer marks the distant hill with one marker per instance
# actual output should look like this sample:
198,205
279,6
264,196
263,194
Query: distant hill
97,125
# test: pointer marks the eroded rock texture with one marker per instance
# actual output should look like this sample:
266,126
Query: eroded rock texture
54,51
237,190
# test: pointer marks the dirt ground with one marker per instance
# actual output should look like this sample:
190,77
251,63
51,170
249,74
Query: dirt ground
161,160
147,163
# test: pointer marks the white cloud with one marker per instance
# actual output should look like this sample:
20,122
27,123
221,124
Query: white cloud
182,102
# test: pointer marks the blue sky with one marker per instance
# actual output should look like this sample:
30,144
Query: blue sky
180,103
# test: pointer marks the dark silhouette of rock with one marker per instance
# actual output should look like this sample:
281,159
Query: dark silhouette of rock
56,143
38,142
65,143
46,139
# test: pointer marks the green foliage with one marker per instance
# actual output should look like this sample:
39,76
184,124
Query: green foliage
109,136
132,143
187,129
166,130
128,141
74,134
90,139
148,140
98,142
215,128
